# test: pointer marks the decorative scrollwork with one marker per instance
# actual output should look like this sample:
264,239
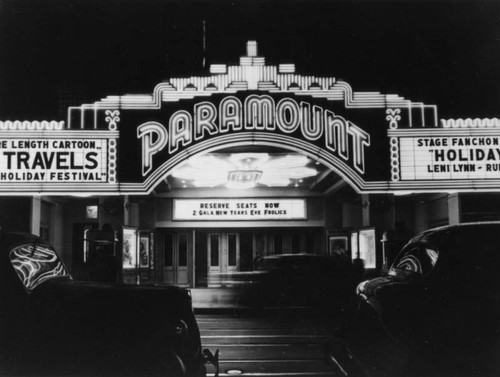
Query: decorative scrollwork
112,117
393,117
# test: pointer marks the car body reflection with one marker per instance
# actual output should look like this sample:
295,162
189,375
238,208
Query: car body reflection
436,312
51,325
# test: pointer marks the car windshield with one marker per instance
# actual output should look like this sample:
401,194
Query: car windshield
35,264
416,259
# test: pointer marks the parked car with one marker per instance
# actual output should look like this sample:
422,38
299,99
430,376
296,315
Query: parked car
51,325
306,280
436,312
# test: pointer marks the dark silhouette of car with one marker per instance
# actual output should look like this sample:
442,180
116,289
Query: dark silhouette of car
300,280
436,312
51,325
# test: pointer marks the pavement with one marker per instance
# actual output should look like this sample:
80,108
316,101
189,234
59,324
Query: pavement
269,346
214,298
263,341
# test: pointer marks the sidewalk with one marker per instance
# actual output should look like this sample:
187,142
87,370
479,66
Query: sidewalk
214,298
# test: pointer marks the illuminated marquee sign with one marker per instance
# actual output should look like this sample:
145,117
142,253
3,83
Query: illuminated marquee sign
56,160
156,141
253,105
129,144
465,157
53,160
256,113
239,209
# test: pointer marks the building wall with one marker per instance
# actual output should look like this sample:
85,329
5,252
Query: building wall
333,213
352,214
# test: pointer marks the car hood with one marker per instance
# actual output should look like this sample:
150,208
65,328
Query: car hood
388,292
107,296
114,307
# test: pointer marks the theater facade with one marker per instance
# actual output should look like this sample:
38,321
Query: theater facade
206,174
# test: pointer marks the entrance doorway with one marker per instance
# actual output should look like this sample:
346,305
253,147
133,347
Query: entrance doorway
175,263
223,255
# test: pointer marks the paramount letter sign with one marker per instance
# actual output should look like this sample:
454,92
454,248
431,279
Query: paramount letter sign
257,113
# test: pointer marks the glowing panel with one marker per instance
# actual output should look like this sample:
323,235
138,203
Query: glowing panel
129,248
239,209
39,160
450,158
367,247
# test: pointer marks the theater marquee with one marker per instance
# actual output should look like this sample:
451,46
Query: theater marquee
378,143
44,157
463,154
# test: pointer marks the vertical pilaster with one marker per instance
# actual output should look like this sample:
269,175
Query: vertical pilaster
36,214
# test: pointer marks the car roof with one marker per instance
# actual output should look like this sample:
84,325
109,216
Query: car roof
10,239
460,236
457,227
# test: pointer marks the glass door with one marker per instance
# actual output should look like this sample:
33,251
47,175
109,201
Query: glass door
223,256
175,258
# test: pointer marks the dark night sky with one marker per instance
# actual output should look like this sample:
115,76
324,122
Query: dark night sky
445,52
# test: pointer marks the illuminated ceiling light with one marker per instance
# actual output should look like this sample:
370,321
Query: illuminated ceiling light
244,170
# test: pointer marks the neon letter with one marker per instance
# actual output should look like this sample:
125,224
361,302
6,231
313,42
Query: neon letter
287,115
180,126
335,134
230,114
259,113
360,139
204,119
154,138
